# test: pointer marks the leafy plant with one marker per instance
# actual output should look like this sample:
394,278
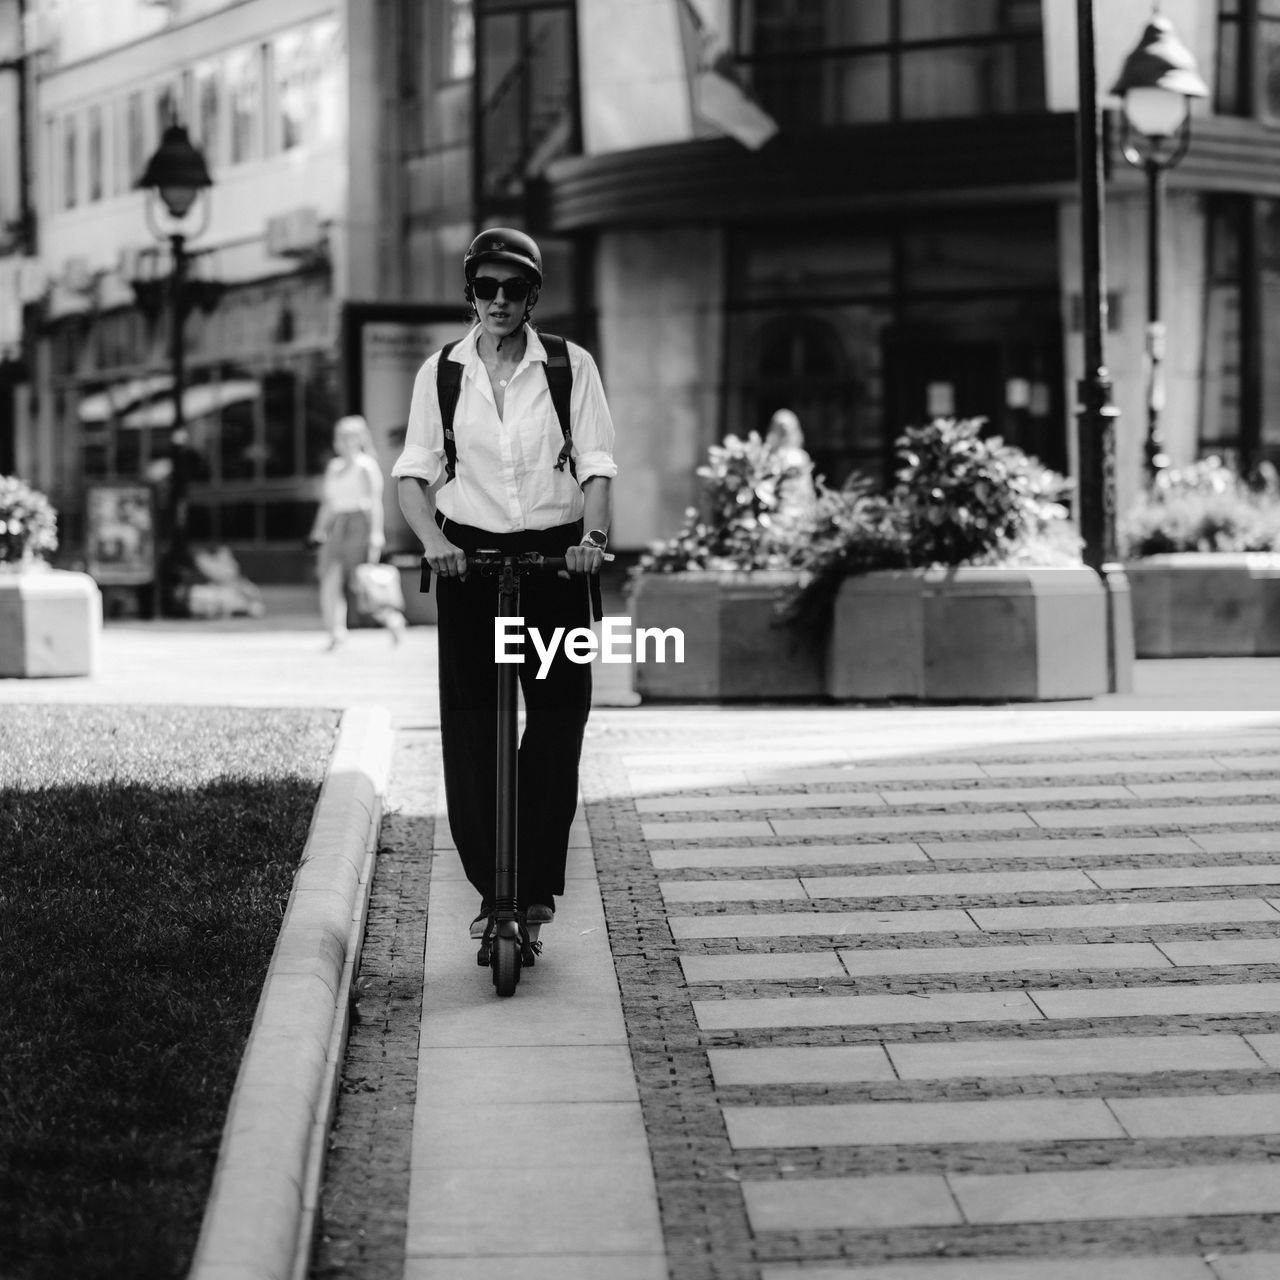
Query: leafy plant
1204,507
756,512
966,499
28,524
958,499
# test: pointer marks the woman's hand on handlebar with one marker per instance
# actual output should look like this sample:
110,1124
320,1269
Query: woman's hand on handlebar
584,558
444,559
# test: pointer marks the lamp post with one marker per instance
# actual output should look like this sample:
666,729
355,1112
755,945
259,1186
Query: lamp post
175,177
1156,85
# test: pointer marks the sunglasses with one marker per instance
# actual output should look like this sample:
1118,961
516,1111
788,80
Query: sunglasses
514,290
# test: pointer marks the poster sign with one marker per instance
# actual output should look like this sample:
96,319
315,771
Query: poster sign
120,536
384,347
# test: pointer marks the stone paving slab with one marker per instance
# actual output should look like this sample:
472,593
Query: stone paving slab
1158,1267
810,855
1223,951
1148,1001
1068,847
821,924
1014,959
897,824
1183,877
1073,1055
1189,1115
947,882
1255,815
791,1065
1124,915
1187,1191
865,1011
768,967
864,1123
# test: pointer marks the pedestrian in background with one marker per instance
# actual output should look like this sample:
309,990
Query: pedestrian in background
513,492
348,527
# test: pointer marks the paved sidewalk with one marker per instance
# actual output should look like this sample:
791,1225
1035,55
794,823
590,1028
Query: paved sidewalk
875,993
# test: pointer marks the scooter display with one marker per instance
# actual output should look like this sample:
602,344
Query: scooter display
507,946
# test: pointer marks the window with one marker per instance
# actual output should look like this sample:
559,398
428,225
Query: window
244,92
70,161
293,76
95,155
461,40
135,147
1269,57
206,89
823,62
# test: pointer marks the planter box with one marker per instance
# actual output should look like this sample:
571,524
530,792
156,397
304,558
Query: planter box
50,623
1196,604
732,648
970,634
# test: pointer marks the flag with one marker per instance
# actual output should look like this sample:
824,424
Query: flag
720,100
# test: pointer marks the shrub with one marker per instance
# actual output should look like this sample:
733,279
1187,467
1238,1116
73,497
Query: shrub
1203,507
756,513
28,525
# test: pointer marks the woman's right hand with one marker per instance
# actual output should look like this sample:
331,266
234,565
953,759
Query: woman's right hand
444,559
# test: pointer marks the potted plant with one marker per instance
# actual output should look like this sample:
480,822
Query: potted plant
50,619
724,577
1202,552
963,582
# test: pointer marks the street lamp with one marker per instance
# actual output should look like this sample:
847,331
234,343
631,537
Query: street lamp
175,177
1156,85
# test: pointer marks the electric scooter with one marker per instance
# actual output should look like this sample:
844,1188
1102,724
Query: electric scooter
507,946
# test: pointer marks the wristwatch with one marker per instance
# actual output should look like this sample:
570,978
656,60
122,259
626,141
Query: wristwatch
596,538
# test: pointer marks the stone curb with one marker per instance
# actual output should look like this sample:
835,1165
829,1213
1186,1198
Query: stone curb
261,1213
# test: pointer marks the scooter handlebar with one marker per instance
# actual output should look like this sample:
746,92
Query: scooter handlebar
528,562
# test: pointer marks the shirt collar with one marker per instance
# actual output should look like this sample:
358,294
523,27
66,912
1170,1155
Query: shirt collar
467,351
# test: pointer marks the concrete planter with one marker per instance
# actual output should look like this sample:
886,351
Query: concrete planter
733,651
50,622
970,634
1194,604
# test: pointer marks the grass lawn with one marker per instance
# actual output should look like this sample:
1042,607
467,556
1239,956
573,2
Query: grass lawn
146,856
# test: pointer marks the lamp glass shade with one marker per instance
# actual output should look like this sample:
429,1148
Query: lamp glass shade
176,172
1155,112
178,200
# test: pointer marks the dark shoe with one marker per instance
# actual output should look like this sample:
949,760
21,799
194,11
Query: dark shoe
481,922
540,913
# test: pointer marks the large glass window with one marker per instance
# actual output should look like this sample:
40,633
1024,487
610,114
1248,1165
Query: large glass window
864,330
206,87
293,77
823,62
135,139
528,96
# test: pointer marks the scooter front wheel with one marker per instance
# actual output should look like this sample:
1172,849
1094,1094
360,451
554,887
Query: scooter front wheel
506,965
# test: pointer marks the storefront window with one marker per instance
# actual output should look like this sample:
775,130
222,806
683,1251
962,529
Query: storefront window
135,148
320,412
280,423
823,62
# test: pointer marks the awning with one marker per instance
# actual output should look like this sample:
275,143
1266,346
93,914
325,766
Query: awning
197,401
103,405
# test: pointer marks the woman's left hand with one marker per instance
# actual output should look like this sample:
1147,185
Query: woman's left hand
584,558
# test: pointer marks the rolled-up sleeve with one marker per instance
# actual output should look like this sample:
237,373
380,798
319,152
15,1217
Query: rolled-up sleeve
423,454
592,422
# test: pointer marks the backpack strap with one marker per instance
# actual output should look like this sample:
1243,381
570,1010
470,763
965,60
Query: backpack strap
448,387
560,382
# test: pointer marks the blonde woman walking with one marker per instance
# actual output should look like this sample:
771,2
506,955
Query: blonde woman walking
348,526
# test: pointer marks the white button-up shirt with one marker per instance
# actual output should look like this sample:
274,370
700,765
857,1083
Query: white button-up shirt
506,478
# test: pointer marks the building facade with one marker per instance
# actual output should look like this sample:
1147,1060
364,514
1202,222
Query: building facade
886,229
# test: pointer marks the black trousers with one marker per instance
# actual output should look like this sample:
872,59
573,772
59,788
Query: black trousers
556,710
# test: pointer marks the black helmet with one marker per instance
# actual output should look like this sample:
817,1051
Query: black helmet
504,244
